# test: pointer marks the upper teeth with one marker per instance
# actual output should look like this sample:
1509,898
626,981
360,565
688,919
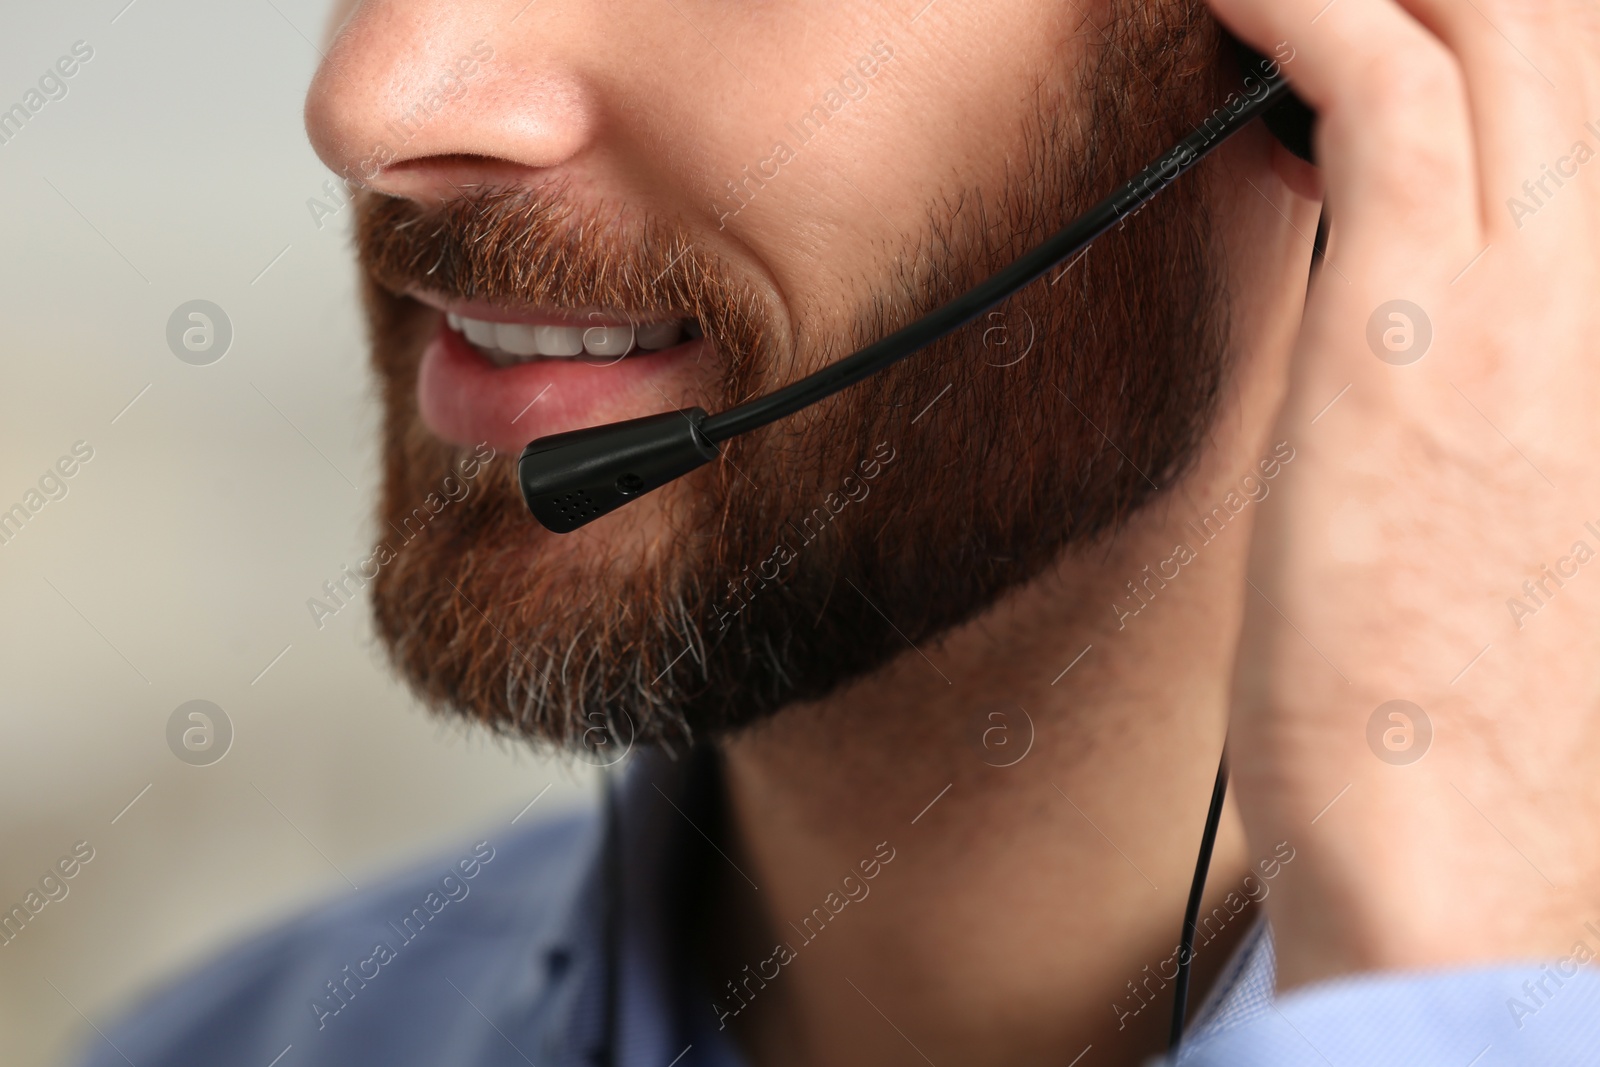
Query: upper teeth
505,343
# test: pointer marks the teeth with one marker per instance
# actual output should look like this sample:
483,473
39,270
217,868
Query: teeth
516,338
608,340
479,332
559,340
508,343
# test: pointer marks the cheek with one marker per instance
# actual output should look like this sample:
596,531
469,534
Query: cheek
930,125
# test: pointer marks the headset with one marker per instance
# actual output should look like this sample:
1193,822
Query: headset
570,479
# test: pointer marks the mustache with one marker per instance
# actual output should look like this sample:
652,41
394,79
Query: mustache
537,248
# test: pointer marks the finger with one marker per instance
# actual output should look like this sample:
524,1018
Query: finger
1530,73
1393,135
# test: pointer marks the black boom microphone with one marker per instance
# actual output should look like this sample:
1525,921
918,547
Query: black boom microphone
570,479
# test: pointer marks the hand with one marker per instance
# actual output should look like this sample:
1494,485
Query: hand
1444,404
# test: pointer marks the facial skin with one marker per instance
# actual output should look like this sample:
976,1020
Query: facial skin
584,171
1096,403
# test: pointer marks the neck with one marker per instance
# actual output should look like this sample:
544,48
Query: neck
1019,806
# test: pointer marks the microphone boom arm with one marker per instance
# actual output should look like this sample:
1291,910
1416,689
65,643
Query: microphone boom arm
570,479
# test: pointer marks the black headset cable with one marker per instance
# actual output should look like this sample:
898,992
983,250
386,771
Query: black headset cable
1191,914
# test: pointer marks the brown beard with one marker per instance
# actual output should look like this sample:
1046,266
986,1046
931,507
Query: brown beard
889,514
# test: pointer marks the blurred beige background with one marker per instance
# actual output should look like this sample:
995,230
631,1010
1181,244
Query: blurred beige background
178,564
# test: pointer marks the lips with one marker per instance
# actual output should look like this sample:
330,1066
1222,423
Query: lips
492,375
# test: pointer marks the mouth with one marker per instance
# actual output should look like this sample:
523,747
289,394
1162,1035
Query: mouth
508,343
502,376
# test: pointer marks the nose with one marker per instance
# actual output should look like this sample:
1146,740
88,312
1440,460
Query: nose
426,98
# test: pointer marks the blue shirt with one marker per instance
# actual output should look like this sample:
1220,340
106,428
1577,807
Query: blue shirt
499,955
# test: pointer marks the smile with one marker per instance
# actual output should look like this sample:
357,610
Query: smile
508,343
507,375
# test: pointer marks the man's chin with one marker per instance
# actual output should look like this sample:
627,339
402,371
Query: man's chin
495,620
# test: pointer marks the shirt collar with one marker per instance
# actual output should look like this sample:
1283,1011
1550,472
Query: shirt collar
638,1014
663,806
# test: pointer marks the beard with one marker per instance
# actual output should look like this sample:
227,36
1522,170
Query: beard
888,514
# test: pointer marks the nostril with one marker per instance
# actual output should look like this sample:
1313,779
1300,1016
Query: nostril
434,179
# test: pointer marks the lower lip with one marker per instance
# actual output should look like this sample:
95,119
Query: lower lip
466,400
